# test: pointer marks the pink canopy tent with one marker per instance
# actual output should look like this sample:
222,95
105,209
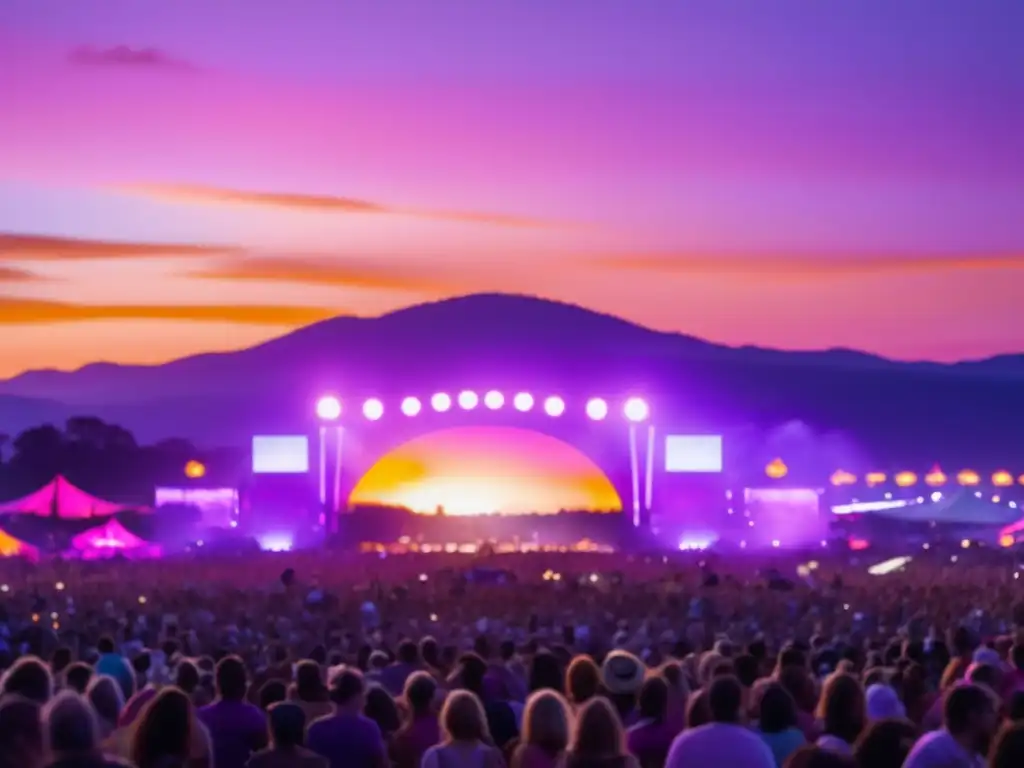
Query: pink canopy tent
60,496
109,540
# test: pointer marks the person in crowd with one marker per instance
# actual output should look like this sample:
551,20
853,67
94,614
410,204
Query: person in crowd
1015,707
843,713
698,712
287,722
163,736
237,728
582,680
272,692
115,665
545,673
1015,677
77,677
28,677
187,678
725,740
797,682
466,742
885,744
72,734
545,734
777,724
346,737
969,723
622,674
650,738
382,709
21,733
421,729
883,702
599,740
501,719
278,667
1008,747
309,692
105,696
393,677
678,693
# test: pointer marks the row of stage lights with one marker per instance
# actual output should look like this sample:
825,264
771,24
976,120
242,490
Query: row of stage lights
777,470
635,409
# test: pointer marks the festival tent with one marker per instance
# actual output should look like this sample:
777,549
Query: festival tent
61,499
109,540
12,547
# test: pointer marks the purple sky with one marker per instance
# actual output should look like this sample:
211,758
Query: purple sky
215,173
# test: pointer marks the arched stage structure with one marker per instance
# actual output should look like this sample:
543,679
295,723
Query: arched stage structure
615,433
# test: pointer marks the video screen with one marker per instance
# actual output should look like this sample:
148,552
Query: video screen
218,506
280,455
693,453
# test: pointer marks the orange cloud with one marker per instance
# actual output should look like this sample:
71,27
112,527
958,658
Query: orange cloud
802,265
331,272
23,247
21,312
12,275
327,204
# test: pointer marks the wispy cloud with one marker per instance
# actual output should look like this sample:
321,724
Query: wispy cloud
332,272
330,204
12,275
29,247
126,57
20,312
802,265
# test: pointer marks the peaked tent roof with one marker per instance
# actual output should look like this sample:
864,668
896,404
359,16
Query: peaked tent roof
111,535
70,502
12,547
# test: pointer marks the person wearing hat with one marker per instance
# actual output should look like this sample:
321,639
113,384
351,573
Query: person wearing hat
622,674
287,735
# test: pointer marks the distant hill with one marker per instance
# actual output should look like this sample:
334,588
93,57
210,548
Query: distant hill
505,341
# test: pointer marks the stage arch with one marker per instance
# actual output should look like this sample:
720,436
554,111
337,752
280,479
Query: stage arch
482,469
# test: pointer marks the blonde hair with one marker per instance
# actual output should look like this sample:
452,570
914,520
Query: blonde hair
546,721
463,718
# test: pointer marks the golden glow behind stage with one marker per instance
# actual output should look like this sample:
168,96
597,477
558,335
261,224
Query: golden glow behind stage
487,470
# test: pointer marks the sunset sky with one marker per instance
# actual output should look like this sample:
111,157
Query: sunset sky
179,176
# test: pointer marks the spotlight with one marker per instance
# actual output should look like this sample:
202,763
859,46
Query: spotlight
494,400
554,406
597,408
523,402
441,402
468,400
373,409
411,406
328,408
636,410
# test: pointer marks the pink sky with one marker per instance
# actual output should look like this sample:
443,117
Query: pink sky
186,178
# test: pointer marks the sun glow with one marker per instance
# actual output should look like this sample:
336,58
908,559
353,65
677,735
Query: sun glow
487,471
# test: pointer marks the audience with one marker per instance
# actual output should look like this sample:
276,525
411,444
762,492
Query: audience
466,740
346,737
287,722
598,740
545,733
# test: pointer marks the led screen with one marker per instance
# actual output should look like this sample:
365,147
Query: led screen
693,453
218,506
280,454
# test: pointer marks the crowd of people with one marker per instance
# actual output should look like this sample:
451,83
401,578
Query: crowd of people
529,660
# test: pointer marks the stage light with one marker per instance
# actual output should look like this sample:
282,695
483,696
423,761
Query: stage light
554,406
373,409
494,400
636,410
468,400
411,406
523,402
597,408
441,402
195,470
328,408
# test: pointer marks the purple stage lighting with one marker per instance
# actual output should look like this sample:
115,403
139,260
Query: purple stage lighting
494,400
411,406
468,400
554,406
597,409
328,408
523,402
636,410
441,402
373,409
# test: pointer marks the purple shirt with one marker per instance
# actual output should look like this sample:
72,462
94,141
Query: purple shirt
413,740
347,741
650,741
237,730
